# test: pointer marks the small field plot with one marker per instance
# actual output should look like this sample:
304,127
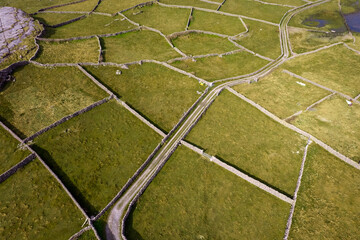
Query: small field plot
88,235
192,198
287,2
250,141
324,17
86,6
328,203
114,6
337,68
303,40
215,68
91,25
262,38
52,18
336,124
199,44
282,94
217,23
166,20
251,8
349,6
10,153
31,6
34,206
97,152
137,46
41,96
159,93
68,52
193,3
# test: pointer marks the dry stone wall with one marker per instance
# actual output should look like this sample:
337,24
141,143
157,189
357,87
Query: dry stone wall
13,170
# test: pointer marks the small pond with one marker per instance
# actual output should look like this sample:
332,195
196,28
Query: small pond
314,22
353,21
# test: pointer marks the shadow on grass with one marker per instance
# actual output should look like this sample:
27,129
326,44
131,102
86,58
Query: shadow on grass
84,203
12,128
254,177
130,231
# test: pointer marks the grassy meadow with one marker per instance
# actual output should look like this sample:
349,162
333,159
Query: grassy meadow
193,3
35,206
250,141
41,96
52,18
114,6
192,198
97,152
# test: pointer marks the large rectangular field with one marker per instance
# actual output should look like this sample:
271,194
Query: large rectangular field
244,137
192,198
97,152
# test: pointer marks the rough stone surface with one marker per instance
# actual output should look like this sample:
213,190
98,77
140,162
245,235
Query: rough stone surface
15,26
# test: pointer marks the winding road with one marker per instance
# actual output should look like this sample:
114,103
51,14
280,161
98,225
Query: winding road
114,229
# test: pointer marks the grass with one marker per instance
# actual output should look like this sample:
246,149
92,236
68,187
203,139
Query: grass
199,44
281,94
97,152
217,23
41,96
337,68
192,198
328,202
88,235
159,93
167,20
10,153
91,25
262,38
349,6
137,46
52,18
303,40
86,6
336,124
250,141
328,12
31,6
254,9
287,2
215,68
114,6
69,52
193,3
34,206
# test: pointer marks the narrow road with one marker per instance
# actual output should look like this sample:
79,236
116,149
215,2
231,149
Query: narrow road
114,230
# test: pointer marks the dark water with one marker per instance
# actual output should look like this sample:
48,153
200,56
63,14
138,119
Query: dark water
353,21
314,22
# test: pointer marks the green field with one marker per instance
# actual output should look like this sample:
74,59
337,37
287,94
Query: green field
324,17
287,2
212,68
217,23
86,6
31,6
41,96
192,198
193,3
199,44
159,93
114,6
104,147
10,153
281,94
262,38
89,26
137,46
34,206
337,68
52,19
328,203
167,20
335,123
68,52
88,235
250,141
251,8
302,40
